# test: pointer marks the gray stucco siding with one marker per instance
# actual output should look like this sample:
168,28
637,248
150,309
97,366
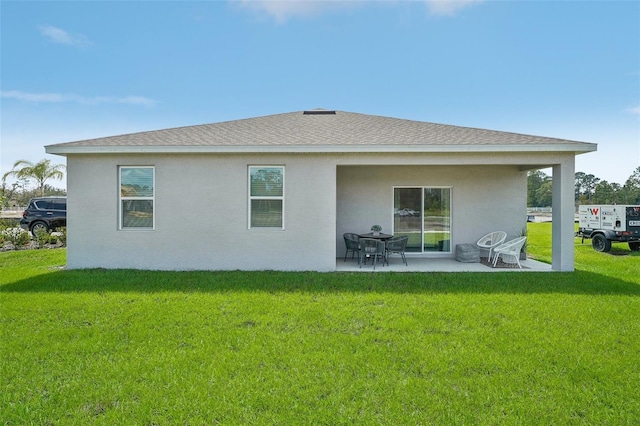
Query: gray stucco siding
201,215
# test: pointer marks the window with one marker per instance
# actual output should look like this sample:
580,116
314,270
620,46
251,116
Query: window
266,197
60,204
424,215
137,197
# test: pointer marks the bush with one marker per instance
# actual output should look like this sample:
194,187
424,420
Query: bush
44,237
62,235
3,226
16,236
6,223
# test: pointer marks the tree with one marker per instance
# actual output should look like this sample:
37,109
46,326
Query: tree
606,193
585,187
634,179
538,184
41,172
631,188
544,194
579,176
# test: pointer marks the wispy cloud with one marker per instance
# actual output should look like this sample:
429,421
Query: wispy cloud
73,98
634,110
281,11
449,7
60,36
284,10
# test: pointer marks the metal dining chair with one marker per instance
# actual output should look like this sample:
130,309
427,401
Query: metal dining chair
397,245
351,241
374,249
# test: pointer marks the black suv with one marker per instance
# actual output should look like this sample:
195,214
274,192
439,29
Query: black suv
46,213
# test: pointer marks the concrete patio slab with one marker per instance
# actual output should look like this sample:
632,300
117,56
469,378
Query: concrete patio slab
437,264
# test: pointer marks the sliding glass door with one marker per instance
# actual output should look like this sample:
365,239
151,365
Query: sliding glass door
407,216
424,215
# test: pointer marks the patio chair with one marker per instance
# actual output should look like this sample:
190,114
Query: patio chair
510,249
397,245
491,241
351,240
374,249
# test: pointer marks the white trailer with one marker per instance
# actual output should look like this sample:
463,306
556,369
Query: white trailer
606,224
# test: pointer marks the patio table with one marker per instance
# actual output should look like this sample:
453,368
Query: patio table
380,236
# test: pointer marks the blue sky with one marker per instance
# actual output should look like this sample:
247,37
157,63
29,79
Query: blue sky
85,69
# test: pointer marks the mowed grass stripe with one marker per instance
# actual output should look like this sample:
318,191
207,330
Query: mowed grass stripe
132,347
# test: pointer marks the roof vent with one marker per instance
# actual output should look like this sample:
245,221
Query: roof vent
319,111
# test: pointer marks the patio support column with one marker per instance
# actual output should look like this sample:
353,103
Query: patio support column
563,216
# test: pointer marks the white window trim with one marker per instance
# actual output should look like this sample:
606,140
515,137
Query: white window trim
121,199
263,197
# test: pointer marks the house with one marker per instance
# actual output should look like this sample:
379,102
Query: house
277,192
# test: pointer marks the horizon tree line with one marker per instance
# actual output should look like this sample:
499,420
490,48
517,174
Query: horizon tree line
589,189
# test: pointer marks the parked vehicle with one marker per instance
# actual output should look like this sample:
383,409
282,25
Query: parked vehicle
606,224
45,213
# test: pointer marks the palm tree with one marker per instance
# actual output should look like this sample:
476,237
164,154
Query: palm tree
41,172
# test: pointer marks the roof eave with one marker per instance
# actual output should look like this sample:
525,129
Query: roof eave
324,149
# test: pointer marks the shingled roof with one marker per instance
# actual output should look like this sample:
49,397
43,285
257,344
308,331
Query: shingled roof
320,131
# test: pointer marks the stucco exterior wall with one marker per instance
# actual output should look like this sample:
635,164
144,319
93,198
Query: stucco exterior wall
484,199
201,215
201,206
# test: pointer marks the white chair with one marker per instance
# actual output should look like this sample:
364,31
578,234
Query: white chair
510,248
491,241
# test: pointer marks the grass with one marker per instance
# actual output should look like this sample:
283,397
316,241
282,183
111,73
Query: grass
620,263
132,347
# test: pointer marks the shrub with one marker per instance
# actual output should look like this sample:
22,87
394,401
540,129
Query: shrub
62,235
16,236
5,223
43,237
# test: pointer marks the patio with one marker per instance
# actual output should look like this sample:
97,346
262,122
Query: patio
436,264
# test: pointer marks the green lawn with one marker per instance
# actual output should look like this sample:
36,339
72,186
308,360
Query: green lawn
161,348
